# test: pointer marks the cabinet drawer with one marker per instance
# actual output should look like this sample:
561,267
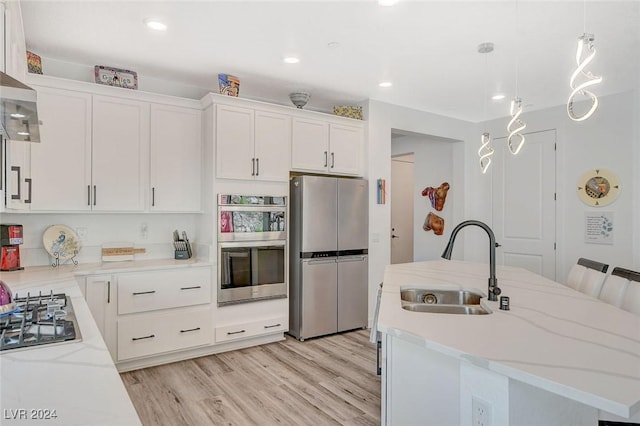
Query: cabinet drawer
149,291
157,332
227,333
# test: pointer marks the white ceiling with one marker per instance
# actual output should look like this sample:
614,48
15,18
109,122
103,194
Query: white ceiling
428,49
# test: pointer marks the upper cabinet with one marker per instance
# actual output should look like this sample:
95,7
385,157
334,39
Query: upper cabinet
252,144
120,154
327,147
176,159
14,58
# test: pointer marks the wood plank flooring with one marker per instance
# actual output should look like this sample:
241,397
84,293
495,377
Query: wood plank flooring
324,381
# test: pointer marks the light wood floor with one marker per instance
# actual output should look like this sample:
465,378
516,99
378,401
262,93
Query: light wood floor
324,381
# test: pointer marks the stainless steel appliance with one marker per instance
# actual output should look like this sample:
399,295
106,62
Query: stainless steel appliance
252,248
38,320
329,263
18,111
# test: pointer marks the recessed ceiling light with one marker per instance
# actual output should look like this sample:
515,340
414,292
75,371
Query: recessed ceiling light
387,2
291,60
155,24
17,115
385,84
498,97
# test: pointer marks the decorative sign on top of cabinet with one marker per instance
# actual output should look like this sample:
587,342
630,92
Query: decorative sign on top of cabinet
325,147
252,144
97,151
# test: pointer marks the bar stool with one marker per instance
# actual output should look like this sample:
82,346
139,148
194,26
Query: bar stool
631,299
587,276
614,288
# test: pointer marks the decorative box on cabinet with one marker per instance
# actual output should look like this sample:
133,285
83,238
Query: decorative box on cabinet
252,144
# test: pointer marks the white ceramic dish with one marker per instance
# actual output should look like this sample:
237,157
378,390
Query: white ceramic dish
61,241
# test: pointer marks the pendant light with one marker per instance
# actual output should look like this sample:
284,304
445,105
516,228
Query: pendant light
515,140
486,150
584,41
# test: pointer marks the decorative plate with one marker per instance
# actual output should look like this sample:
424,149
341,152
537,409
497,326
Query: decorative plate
61,241
598,187
116,77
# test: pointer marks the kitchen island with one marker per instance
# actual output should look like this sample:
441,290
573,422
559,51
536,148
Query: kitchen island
556,357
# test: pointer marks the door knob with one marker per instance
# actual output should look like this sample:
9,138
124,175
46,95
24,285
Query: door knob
392,233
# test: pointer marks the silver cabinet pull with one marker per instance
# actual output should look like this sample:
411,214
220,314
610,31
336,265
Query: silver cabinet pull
151,336
326,159
272,326
190,288
229,333
333,160
144,292
153,197
29,182
191,329
94,195
17,170
257,166
108,291
253,167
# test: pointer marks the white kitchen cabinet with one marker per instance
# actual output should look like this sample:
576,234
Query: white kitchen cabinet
18,180
176,159
252,144
326,147
243,330
120,154
101,294
14,50
61,164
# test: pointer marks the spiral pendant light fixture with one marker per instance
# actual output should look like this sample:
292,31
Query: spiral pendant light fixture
515,140
486,150
589,79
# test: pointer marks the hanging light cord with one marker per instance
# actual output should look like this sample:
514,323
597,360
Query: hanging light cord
515,140
486,150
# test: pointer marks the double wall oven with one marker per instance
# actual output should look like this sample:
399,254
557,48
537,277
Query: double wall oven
252,248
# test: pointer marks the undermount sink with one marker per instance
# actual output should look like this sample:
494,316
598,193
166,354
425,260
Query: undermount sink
446,309
439,301
441,297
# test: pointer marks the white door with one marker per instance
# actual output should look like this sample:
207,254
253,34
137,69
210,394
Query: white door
524,216
176,158
234,143
310,145
272,146
402,209
345,143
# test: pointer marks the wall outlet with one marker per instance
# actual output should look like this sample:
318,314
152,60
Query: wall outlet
481,412
82,234
144,231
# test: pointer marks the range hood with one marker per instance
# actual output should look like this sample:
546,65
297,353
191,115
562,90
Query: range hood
18,113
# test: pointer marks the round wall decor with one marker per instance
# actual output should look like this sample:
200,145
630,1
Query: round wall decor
598,187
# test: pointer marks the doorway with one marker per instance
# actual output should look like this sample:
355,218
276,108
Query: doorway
524,211
401,199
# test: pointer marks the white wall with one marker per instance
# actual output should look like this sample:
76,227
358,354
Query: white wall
433,165
609,139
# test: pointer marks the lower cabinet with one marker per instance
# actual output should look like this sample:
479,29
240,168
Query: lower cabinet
251,329
157,332
101,296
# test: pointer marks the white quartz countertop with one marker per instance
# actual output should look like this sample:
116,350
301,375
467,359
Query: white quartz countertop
77,381
553,337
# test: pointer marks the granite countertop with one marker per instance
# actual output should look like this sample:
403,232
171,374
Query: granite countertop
553,337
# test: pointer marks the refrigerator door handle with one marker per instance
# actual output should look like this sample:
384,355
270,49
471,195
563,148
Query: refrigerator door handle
319,261
352,258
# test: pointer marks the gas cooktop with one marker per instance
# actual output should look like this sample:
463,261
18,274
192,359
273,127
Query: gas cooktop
38,320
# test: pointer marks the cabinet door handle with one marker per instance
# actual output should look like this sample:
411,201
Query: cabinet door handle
143,292
18,179
88,195
272,326
191,329
108,291
153,197
229,333
333,160
253,167
94,195
151,336
29,182
190,288
257,166
325,159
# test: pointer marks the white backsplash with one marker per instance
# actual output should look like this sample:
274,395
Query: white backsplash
107,228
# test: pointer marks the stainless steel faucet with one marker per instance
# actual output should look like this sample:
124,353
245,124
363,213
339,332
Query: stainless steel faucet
494,290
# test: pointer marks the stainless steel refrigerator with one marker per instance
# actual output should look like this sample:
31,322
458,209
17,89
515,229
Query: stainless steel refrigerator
328,274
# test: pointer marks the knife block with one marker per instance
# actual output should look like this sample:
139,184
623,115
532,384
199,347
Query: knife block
182,250
182,254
